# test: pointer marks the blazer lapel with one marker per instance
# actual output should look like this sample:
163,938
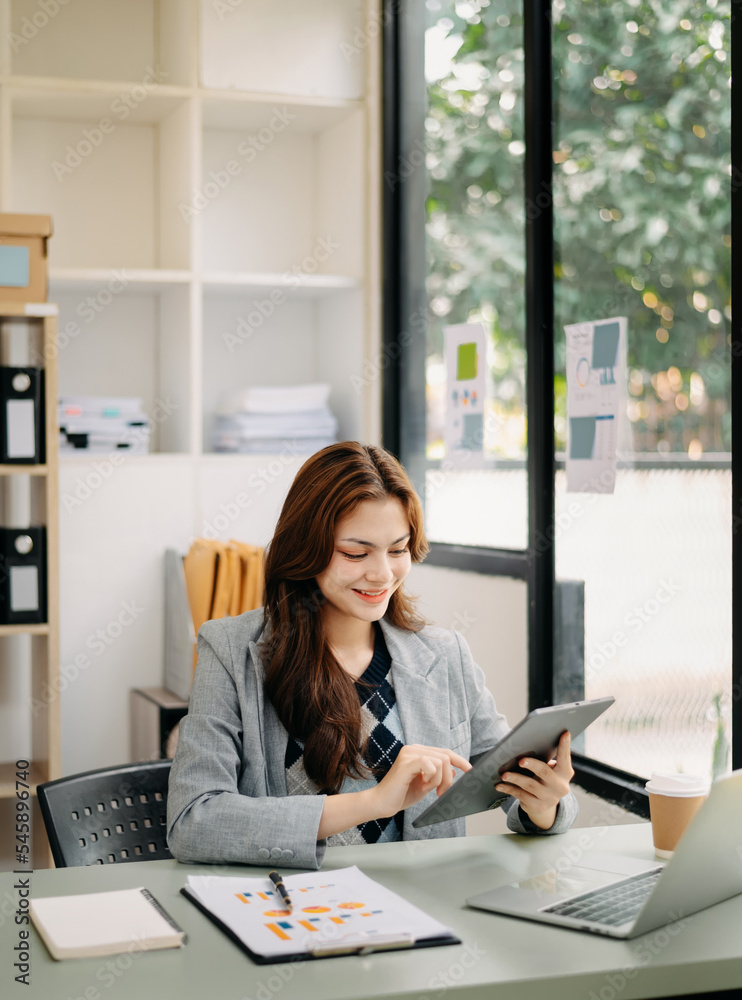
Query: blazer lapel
421,689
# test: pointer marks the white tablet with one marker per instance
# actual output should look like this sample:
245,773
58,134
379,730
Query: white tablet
535,736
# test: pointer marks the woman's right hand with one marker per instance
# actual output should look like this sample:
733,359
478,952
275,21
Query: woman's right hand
416,771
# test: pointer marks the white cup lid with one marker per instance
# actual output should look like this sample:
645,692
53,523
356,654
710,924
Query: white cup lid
670,783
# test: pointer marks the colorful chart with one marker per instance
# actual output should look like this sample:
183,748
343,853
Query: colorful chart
348,909
287,924
283,928
277,930
252,897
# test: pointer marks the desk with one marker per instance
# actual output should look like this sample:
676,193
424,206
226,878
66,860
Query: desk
502,957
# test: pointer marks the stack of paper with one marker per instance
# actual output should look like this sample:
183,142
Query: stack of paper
101,424
264,419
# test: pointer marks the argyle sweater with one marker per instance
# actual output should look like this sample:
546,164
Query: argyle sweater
380,720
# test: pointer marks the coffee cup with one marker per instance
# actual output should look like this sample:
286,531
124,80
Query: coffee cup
674,799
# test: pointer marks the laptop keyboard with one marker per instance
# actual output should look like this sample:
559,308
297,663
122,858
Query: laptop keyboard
612,904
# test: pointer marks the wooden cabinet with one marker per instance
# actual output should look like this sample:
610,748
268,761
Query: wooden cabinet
29,654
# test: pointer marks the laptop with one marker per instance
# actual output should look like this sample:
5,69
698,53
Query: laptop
623,896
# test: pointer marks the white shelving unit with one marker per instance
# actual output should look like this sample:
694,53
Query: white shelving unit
204,163
213,173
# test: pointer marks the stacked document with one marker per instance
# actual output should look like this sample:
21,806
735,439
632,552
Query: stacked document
101,424
264,419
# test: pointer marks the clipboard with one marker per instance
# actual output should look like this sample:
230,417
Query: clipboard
349,942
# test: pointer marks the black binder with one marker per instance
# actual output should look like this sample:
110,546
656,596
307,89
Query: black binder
22,438
23,576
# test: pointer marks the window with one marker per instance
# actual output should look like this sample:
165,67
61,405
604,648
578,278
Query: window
542,198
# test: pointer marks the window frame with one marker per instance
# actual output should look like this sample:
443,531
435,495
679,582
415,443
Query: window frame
404,273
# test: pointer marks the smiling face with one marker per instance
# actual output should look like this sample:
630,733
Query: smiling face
370,561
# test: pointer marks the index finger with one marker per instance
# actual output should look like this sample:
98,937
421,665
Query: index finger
563,754
458,761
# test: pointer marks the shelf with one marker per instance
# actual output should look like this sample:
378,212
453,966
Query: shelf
42,629
83,279
7,779
94,279
229,109
88,458
23,470
54,99
298,285
11,310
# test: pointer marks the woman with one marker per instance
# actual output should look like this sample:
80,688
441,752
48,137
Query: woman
332,713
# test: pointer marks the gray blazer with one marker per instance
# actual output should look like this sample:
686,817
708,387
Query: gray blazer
227,798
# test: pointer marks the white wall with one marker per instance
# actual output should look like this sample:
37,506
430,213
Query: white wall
115,524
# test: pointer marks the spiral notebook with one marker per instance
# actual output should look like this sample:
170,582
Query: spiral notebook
104,923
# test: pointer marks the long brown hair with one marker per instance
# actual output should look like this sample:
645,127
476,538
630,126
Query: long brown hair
315,699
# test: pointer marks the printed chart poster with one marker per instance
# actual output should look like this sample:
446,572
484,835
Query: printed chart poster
596,381
466,352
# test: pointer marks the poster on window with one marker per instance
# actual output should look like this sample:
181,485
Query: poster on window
465,352
596,391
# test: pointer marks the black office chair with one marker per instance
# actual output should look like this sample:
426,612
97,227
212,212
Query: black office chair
112,815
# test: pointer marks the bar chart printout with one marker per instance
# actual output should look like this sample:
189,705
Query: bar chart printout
596,391
333,907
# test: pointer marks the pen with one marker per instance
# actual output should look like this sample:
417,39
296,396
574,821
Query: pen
277,880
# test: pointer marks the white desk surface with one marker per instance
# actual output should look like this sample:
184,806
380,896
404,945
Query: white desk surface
499,957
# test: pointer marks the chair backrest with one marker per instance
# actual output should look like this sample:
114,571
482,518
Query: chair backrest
112,815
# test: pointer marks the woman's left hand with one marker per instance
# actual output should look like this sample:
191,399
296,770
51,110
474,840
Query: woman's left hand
539,794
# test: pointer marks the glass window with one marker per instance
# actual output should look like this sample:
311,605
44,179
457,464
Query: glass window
475,250
642,225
